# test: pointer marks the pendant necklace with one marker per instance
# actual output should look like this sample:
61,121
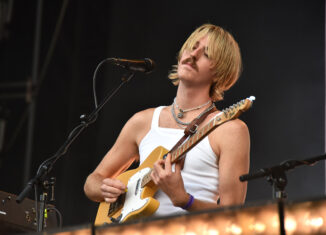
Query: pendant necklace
184,124
182,111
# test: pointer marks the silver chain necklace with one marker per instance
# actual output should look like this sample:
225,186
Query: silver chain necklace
182,111
179,122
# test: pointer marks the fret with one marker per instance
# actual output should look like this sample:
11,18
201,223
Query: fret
176,155
182,151
205,129
186,147
147,178
179,150
187,144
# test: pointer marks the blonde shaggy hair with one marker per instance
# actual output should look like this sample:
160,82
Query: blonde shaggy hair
223,50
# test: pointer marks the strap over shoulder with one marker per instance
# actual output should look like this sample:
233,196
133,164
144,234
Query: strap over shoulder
193,126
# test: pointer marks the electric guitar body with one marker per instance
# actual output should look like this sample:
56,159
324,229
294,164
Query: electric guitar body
138,201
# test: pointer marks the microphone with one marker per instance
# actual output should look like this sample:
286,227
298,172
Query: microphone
146,65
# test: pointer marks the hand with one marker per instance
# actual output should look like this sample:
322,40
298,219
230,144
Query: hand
170,182
111,189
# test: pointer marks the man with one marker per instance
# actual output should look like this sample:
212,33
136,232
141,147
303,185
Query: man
209,63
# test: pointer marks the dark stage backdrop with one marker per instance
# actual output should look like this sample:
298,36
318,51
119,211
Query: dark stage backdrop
282,44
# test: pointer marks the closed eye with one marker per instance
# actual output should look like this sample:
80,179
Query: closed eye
206,52
195,46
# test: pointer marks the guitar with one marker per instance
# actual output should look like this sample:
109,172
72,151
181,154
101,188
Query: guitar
138,201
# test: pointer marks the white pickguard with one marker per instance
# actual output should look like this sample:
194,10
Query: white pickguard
133,202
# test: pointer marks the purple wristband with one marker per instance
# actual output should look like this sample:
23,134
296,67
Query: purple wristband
190,202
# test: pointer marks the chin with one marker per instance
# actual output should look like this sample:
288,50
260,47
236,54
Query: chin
185,75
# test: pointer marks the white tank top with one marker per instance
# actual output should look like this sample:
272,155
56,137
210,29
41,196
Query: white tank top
200,172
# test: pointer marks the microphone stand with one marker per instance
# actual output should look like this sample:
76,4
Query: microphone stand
38,180
277,178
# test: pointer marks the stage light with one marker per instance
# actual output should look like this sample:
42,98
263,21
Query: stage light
234,229
290,225
257,227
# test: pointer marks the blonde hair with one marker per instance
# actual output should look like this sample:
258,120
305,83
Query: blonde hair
223,50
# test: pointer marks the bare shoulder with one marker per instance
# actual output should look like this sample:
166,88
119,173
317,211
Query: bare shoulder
140,123
143,117
233,127
230,127
230,134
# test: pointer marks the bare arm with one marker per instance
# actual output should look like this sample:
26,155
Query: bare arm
100,184
234,148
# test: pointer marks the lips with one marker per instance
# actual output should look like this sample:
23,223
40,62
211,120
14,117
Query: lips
189,63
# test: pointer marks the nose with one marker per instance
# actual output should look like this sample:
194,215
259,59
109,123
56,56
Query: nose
195,53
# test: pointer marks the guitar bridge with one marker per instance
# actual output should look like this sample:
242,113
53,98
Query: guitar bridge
117,205
117,220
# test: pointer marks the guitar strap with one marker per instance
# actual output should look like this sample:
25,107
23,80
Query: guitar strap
192,127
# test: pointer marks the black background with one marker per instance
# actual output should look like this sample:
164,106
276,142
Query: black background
282,45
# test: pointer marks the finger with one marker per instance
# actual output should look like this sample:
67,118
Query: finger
167,164
154,177
178,167
160,162
158,166
114,183
110,200
182,162
109,195
112,190
119,184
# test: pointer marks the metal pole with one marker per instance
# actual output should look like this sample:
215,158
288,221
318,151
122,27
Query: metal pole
32,105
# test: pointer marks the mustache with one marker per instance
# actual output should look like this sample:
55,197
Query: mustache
190,60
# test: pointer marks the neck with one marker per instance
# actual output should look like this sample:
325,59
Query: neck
188,97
